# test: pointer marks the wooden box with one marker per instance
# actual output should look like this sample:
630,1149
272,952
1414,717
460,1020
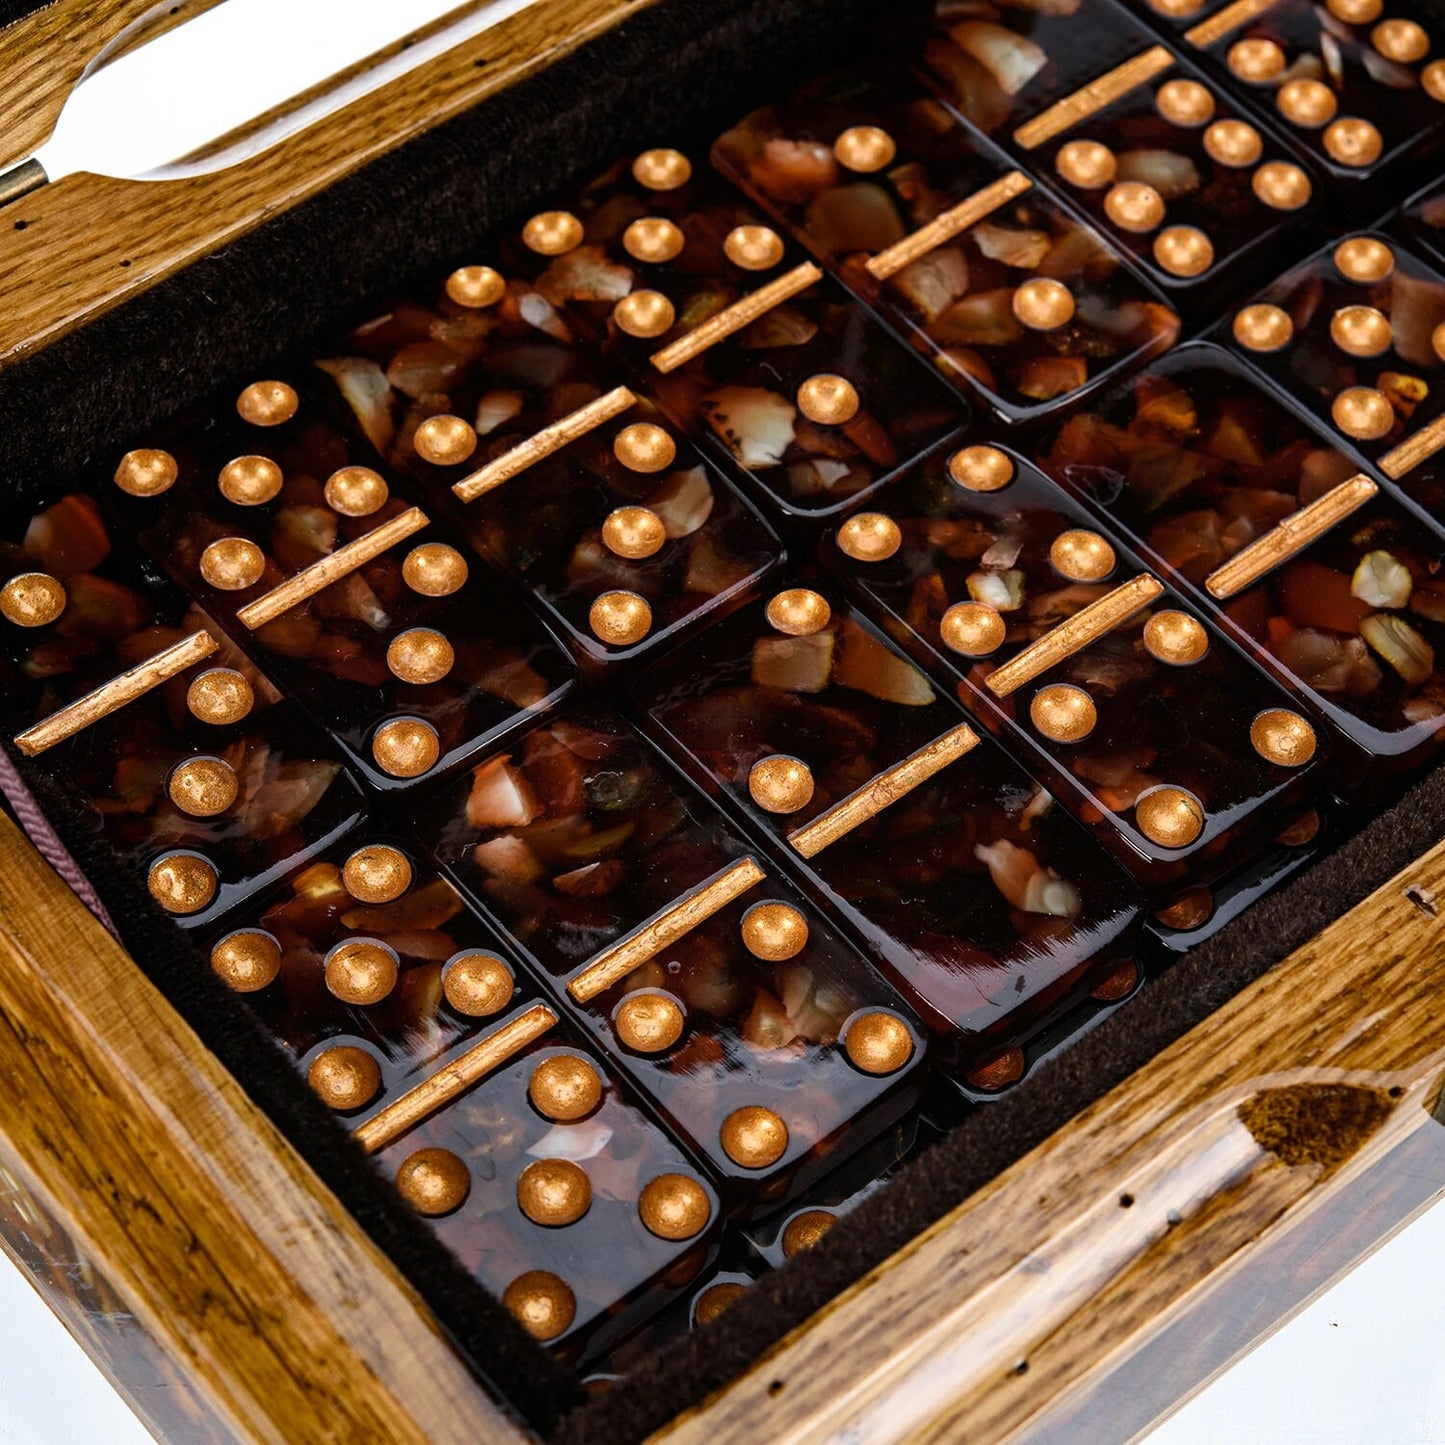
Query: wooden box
1099,1239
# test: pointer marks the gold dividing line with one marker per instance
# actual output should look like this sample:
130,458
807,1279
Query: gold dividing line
882,791
108,697
1414,450
735,317
1074,634
405,1113
550,439
946,226
1293,534
1230,18
1069,111
341,563
664,928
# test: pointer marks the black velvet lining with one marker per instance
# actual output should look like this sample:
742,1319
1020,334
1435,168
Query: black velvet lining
427,205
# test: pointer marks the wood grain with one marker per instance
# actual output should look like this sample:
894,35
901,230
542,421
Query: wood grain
227,1248
89,242
1083,1251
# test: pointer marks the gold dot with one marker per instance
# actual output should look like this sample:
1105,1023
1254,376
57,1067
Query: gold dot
754,248
445,441
554,1192
780,784
552,233
1262,327
361,971
182,882
32,599
1355,12
250,481
649,1022
146,472
1310,103
754,1137
633,532
1117,983
344,1077
1400,40
1082,556
1437,341
1043,305
804,1230
864,148
1256,60
644,313
1175,638
434,570
476,286
1185,102
674,1206
1353,142
1360,330
1004,1068
1233,143
973,629
565,1088
1134,206
1432,80
541,1303
220,695
267,403
620,618
662,169
1063,713
203,787
981,469
653,239
1281,186
420,655
1303,830
1363,412
878,1043
870,537
1282,737
1176,9
1168,816
643,447
478,984
405,747
433,1181
233,564
1086,163
246,960
1363,258
774,932
715,1299
356,491
1184,250
828,399
799,612
377,873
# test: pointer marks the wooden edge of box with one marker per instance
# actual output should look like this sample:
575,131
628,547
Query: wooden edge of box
1078,1255
229,1250
86,243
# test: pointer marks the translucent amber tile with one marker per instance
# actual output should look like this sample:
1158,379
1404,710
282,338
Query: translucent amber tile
203,776
649,267
962,876
1139,711
696,965
948,239
1198,462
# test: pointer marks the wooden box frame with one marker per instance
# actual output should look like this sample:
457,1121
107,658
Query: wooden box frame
1007,1315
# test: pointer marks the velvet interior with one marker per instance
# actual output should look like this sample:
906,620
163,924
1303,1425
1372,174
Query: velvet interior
676,65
